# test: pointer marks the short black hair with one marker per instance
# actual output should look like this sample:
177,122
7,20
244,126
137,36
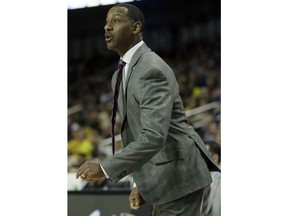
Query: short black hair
214,148
134,13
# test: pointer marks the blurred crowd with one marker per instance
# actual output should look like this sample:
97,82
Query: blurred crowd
197,69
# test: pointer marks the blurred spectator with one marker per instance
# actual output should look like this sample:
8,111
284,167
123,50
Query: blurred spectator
80,147
215,150
213,205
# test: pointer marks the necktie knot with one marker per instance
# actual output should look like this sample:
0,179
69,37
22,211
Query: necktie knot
121,64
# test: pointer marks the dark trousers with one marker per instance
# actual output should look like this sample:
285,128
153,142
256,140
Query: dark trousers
185,206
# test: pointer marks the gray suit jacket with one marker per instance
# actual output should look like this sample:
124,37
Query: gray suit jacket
167,157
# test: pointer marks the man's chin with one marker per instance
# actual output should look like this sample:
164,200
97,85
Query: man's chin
109,46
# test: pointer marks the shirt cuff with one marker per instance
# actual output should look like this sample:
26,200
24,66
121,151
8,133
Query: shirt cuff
106,175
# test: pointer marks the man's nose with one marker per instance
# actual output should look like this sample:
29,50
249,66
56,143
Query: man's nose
107,27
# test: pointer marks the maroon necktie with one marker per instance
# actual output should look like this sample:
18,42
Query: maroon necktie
118,72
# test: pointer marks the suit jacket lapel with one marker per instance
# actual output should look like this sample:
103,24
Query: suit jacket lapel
142,49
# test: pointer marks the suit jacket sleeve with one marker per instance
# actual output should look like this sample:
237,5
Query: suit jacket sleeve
154,94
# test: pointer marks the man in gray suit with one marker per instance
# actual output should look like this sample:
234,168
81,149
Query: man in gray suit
169,161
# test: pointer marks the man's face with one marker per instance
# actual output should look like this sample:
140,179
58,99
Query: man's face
118,30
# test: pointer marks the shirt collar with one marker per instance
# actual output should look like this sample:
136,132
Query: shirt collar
129,54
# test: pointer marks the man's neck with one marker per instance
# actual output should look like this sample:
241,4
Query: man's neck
134,42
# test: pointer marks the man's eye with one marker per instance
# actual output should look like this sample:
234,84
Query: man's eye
115,20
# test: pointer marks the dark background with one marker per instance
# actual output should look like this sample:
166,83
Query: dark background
162,17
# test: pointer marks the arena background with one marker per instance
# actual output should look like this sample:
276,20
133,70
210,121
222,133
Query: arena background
187,35
34,102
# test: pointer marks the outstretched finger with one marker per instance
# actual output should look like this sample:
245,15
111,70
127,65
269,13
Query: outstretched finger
80,171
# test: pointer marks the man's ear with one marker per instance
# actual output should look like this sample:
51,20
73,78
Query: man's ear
137,26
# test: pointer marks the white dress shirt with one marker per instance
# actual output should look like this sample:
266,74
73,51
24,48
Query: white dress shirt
127,59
